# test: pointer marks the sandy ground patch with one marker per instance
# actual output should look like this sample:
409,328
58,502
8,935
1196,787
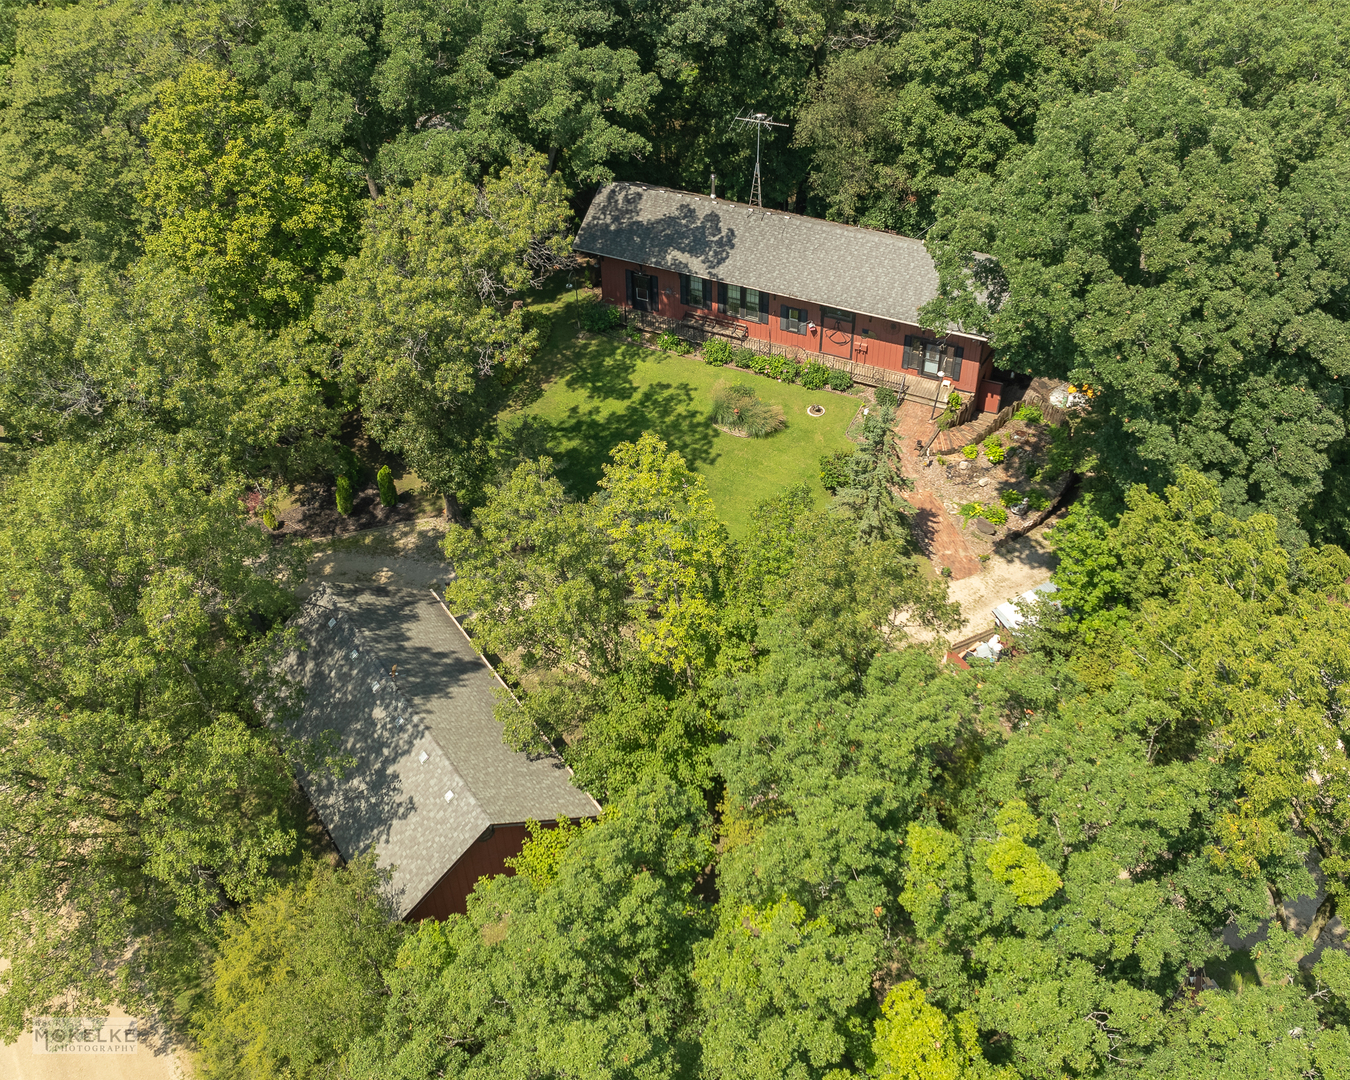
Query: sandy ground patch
1012,569
406,554
149,1062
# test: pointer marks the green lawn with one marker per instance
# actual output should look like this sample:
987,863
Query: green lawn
596,393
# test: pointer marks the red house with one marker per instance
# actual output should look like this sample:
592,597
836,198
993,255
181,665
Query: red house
849,295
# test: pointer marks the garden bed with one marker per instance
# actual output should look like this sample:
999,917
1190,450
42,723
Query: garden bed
1013,494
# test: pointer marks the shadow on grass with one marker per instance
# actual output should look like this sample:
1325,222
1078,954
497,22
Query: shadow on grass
584,437
604,371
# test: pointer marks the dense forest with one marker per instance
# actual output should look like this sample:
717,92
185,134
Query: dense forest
238,237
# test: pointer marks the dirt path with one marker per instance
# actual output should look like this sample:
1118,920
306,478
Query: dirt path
1012,569
941,537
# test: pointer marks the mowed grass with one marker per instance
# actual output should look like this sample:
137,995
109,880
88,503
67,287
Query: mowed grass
596,393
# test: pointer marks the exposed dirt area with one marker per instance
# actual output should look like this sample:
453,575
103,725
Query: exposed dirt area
1011,569
314,511
940,536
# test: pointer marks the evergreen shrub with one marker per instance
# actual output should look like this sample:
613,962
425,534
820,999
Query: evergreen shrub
388,493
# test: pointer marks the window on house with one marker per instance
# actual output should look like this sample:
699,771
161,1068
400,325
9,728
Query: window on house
836,315
643,291
749,304
696,292
931,358
792,319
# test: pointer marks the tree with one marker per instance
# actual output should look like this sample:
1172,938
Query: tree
869,495
1245,643
940,91
636,571
1173,240
260,220
142,784
384,479
915,1041
580,970
127,359
406,93
72,135
423,315
299,976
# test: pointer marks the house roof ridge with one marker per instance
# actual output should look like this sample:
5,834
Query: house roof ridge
769,211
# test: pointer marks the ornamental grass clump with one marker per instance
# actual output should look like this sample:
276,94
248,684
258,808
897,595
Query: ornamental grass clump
736,408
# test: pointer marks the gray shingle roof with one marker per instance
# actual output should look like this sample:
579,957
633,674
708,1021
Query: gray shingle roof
795,257
439,705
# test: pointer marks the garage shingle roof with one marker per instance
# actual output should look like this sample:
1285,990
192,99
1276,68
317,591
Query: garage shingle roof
787,255
441,706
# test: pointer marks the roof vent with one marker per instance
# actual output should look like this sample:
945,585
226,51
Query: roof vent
449,795
422,757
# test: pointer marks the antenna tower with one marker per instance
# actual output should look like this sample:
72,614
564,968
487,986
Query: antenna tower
760,121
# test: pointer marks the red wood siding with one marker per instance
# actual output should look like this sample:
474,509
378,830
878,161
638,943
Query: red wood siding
484,859
882,345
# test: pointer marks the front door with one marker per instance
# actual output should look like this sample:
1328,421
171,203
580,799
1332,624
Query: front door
836,332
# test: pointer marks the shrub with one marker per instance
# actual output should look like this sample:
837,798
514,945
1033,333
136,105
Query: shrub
1037,501
840,380
388,493
669,342
782,367
344,495
718,352
815,376
942,460
742,357
995,514
598,317
540,323
1061,458
1030,414
834,469
736,408
1010,497
970,510
633,334
269,519
971,452
886,397
757,363
993,449
950,411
